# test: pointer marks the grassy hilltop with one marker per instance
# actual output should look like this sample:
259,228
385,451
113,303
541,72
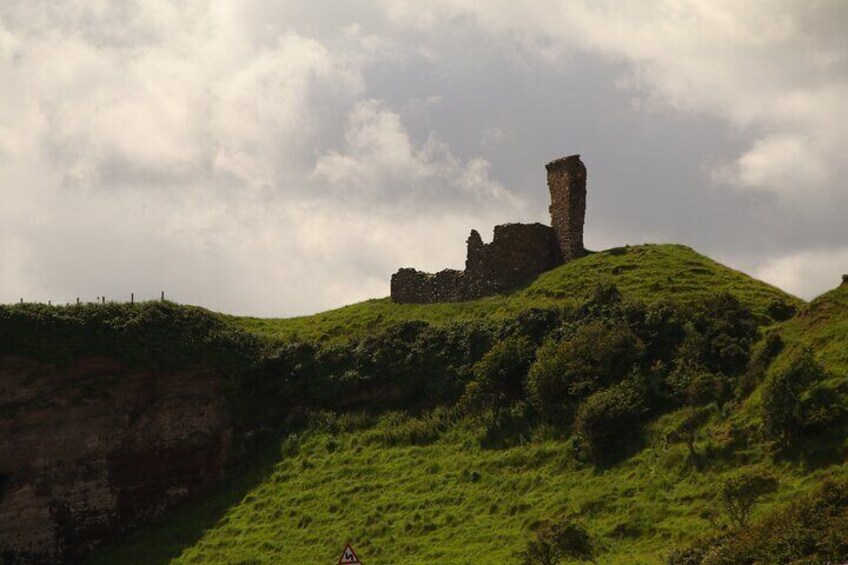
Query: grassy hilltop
639,405
642,272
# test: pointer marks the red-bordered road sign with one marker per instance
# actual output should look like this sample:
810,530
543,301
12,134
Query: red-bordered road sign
349,557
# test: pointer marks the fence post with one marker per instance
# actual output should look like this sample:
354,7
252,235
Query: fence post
103,300
77,300
132,298
163,296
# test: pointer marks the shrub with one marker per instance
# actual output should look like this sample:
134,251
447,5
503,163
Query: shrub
782,410
608,421
739,492
596,356
498,378
694,385
814,529
686,429
823,406
720,335
554,542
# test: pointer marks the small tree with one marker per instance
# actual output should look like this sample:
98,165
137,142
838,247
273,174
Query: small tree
740,491
782,408
687,429
498,378
609,420
554,542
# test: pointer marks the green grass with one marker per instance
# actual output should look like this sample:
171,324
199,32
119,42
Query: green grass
643,272
450,501
424,490
823,326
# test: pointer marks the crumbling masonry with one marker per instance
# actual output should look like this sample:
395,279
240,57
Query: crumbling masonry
517,254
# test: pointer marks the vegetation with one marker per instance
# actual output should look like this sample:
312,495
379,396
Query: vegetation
648,273
610,426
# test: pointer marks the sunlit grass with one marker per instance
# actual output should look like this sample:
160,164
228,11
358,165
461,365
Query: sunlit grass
644,272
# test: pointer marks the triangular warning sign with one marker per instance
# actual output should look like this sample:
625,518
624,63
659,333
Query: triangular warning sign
349,557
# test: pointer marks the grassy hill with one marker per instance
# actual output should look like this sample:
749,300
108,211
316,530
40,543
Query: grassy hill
822,326
450,501
644,272
453,485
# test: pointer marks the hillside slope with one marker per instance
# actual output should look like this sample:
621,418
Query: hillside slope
823,326
432,487
642,272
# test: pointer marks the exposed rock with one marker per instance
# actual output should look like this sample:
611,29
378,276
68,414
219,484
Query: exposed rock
92,450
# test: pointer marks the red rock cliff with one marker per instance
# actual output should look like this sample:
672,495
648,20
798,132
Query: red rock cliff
91,450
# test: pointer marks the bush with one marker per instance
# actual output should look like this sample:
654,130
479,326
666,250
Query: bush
554,542
498,378
740,491
686,429
720,335
564,373
694,385
814,529
608,421
782,409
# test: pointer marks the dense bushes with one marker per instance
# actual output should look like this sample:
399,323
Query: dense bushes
782,397
498,378
596,356
607,422
153,335
598,368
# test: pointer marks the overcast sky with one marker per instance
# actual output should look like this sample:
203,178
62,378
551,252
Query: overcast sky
281,158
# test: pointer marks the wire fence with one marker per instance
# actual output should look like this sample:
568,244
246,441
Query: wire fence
98,300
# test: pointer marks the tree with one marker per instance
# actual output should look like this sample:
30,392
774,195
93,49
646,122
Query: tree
782,408
740,491
596,356
562,540
608,421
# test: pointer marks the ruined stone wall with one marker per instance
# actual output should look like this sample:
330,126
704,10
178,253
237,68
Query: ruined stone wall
92,450
567,184
517,254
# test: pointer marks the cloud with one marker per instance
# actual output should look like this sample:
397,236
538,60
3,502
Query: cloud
776,69
179,148
801,273
271,158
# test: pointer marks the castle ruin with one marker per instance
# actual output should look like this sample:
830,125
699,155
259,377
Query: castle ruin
517,254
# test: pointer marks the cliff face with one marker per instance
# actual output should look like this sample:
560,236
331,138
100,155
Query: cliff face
92,449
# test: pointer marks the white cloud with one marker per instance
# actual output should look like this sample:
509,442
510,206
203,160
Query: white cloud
264,157
802,273
180,148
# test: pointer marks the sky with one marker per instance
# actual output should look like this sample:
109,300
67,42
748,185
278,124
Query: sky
282,158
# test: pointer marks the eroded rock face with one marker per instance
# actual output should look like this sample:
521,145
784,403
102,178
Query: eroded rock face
92,450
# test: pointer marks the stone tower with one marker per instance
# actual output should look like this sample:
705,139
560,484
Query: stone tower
567,183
